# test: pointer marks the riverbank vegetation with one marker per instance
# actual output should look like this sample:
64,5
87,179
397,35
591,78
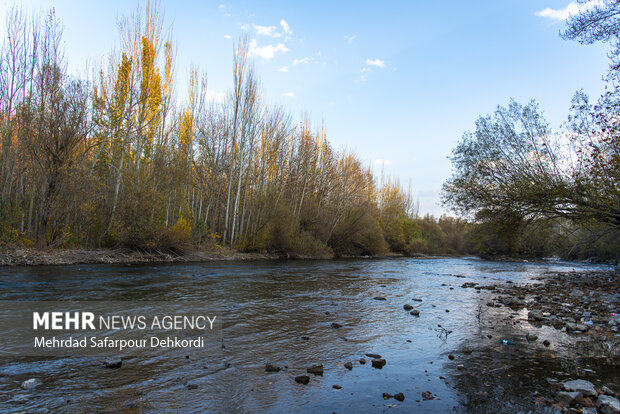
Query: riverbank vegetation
515,175
118,160
121,160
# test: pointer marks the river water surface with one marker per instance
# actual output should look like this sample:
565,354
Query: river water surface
267,307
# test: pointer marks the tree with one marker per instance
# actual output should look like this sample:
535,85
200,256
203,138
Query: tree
599,20
514,167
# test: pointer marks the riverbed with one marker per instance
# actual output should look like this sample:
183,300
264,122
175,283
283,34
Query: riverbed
281,312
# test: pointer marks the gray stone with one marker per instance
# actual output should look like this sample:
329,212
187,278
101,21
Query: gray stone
31,383
582,386
608,405
535,315
570,398
114,362
316,369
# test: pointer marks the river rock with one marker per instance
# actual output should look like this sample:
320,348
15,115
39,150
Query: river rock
316,369
568,398
399,397
302,379
348,365
272,368
378,363
608,405
460,367
373,355
535,315
415,312
31,383
336,325
362,361
386,396
582,386
547,343
427,395
336,387
417,300
407,307
450,357
379,298
530,337
114,362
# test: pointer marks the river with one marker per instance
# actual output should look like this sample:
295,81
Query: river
281,312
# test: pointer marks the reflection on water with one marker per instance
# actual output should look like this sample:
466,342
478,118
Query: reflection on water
268,307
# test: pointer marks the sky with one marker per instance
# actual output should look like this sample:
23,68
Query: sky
395,82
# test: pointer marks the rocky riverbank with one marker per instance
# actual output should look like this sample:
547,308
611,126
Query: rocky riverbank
47,257
562,328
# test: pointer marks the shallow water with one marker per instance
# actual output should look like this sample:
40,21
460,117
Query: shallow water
267,307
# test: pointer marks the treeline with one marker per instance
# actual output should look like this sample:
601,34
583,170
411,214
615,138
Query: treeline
531,189
118,161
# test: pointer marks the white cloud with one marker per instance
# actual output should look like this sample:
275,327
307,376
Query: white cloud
364,70
383,162
350,39
283,69
572,9
285,27
289,95
222,6
245,27
217,97
377,62
300,61
266,52
227,37
269,31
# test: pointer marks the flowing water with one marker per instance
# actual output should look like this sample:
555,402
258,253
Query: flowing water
267,307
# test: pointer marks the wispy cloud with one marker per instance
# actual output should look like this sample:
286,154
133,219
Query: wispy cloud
289,95
283,69
572,9
350,39
269,31
272,31
377,62
285,27
266,52
383,162
366,69
227,37
300,61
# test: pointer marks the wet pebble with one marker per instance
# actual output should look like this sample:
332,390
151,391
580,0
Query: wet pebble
31,384
415,312
336,387
379,298
316,369
378,363
407,307
115,362
336,325
369,355
302,379
272,368
348,365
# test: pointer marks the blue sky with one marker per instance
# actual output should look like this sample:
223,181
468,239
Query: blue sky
397,82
